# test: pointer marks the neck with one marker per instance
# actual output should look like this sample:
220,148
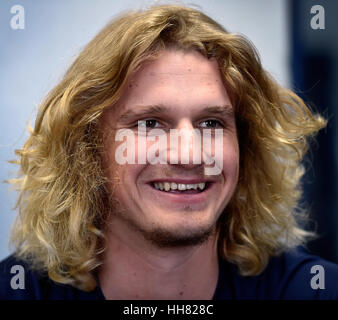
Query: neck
133,268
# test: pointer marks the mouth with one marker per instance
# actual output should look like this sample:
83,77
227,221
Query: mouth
194,192
178,187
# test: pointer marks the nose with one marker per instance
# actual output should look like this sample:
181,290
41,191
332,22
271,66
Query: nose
185,144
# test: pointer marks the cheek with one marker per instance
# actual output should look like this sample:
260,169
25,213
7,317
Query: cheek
231,158
141,148
225,153
115,173
126,175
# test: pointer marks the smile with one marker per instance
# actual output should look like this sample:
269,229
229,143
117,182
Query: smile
170,186
180,188
195,192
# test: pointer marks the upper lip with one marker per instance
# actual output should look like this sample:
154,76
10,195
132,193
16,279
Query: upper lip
182,180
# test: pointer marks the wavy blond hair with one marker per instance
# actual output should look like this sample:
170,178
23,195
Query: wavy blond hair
63,196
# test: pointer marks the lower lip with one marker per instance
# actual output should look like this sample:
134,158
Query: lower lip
183,198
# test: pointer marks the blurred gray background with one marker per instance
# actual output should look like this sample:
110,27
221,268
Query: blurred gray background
33,59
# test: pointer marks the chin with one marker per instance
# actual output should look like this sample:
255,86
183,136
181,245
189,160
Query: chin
164,238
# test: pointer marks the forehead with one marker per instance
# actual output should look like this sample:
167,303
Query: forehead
179,62
183,80
178,66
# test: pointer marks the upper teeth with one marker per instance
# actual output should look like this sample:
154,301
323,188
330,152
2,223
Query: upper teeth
180,186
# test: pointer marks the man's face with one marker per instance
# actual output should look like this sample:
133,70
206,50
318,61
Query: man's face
179,90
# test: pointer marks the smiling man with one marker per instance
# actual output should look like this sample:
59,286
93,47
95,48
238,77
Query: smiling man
164,220
94,226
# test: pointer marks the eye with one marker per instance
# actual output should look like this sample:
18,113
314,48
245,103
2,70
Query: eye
211,123
148,123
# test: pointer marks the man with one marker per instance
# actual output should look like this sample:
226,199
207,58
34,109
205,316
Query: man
104,217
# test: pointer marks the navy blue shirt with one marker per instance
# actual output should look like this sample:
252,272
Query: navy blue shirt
287,276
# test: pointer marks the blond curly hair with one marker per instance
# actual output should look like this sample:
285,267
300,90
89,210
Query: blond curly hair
63,196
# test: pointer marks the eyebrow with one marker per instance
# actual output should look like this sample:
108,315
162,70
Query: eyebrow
225,110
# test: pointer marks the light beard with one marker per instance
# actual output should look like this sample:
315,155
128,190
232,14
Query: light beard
159,236
166,239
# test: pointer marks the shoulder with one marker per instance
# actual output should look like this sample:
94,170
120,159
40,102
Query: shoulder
18,281
304,276
295,274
